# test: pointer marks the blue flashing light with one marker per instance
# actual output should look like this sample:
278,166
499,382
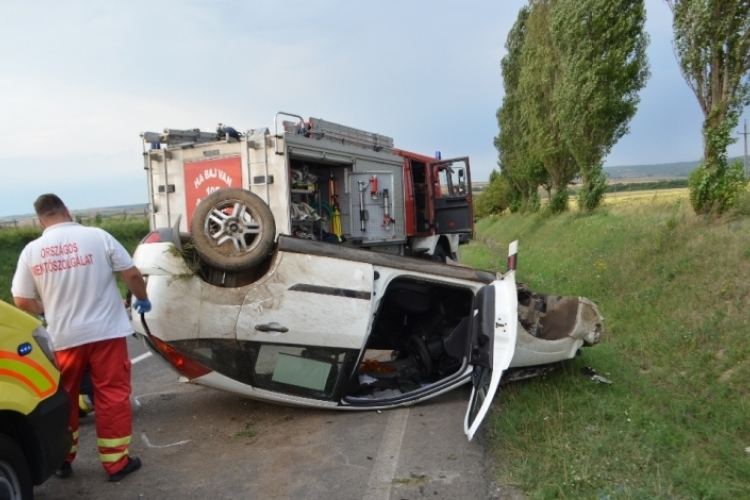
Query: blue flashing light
24,349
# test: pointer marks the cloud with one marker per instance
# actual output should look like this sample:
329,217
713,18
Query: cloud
82,79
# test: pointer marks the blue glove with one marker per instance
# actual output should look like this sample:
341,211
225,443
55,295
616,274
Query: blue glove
142,306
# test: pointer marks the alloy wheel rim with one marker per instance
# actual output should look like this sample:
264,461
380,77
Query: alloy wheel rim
232,224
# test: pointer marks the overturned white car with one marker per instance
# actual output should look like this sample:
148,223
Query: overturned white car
324,325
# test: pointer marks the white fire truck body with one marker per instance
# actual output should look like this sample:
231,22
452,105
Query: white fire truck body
321,181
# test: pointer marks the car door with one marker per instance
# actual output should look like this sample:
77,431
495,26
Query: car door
451,196
493,341
310,300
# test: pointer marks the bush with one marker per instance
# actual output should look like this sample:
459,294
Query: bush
592,192
494,199
715,190
559,201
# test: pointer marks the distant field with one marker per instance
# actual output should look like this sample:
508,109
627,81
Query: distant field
137,211
129,232
641,180
661,195
633,197
658,171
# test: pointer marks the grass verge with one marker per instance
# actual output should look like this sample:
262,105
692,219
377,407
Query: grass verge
673,289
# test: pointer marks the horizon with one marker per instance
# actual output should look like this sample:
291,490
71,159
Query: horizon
5,219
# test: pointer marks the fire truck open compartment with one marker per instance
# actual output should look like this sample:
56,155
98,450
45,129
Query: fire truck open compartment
317,188
322,191
366,186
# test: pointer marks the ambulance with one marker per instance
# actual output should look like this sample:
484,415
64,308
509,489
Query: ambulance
34,408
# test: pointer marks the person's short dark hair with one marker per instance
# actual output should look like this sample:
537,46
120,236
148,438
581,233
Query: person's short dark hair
48,205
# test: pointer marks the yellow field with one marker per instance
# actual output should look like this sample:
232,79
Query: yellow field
650,196
663,195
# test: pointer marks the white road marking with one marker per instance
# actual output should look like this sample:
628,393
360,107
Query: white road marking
138,403
148,443
141,357
346,460
381,477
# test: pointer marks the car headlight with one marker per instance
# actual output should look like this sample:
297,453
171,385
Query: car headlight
44,341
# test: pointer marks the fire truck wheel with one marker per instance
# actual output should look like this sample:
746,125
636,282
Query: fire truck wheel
15,478
438,255
233,229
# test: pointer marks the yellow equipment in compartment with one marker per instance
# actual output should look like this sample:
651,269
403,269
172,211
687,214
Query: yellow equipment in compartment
336,223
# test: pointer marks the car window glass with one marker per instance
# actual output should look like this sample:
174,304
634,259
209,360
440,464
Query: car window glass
301,371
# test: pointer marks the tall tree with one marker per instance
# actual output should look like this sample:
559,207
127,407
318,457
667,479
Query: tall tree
521,173
602,48
540,74
712,45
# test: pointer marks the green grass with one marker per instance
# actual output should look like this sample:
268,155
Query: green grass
412,481
674,291
249,431
129,232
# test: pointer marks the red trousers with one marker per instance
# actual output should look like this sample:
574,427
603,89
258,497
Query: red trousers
109,366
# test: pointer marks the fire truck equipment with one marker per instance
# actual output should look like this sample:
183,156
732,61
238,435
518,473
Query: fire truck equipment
387,220
337,224
362,185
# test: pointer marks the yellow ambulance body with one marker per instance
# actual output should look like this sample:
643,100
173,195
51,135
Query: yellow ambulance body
34,408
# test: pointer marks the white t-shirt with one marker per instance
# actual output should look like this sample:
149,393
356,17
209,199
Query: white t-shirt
71,269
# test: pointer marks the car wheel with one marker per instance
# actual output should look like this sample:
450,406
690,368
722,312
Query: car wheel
233,229
15,478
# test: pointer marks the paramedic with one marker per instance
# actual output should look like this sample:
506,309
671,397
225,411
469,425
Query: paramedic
67,274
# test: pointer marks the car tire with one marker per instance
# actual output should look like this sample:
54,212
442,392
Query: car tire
233,229
15,477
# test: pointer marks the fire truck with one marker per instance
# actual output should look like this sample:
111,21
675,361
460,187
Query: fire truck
236,192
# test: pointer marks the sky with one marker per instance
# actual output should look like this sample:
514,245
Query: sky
81,80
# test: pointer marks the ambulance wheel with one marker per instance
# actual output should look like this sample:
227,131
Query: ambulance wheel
15,478
233,229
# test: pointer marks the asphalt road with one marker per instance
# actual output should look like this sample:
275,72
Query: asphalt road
197,442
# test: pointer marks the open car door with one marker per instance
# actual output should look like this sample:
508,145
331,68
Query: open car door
493,340
451,196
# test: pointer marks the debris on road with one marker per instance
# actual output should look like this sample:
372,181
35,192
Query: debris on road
591,373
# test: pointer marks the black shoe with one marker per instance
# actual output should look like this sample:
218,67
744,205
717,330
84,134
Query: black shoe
64,471
134,463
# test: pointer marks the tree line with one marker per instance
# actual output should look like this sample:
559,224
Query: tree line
572,74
